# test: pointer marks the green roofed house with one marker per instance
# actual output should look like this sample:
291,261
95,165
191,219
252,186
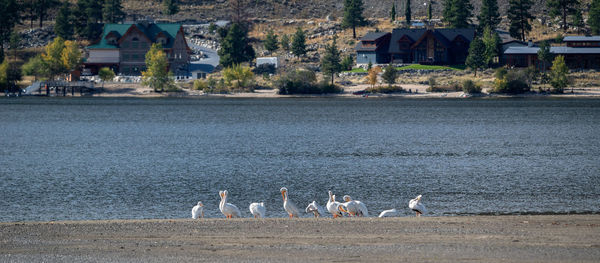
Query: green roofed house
123,47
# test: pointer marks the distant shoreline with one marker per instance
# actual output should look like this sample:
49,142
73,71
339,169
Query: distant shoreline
541,238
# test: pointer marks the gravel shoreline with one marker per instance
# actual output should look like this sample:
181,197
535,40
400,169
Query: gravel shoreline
537,238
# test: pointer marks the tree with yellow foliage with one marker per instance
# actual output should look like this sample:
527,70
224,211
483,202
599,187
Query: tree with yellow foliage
71,56
52,57
238,76
157,74
372,77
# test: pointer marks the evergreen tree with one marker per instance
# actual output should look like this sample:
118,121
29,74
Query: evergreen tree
544,55
285,42
29,11
578,20
519,16
42,7
347,62
170,7
389,75
559,75
353,15
235,47
299,43
9,18
458,13
393,13
594,17
429,11
330,63
63,26
447,11
408,12
493,45
94,10
476,59
563,8
85,18
271,42
489,16
112,12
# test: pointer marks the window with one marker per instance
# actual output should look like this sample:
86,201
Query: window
135,44
125,57
134,56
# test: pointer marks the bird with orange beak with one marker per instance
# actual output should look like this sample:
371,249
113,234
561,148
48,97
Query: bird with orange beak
288,205
229,210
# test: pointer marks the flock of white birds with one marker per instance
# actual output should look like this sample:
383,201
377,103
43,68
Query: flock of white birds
349,207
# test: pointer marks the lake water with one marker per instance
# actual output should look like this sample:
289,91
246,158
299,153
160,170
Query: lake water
105,158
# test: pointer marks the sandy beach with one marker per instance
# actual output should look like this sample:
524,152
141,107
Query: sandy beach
539,238
419,91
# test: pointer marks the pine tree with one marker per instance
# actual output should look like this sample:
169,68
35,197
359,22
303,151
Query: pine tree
429,11
299,43
408,12
458,13
235,47
63,26
563,8
493,45
330,63
29,12
353,15
271,42
170,7
393,13
9,18
85,18
112,12
519,16
544,55
447,11
285,42
476,59
489,16
42,7
578,19
594,17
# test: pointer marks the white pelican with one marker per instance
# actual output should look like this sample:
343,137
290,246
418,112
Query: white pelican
389,213
333,206
258,210
229,210
416,206
354,207
288,205
315,208
198,211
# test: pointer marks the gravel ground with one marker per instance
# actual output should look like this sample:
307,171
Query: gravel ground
540,238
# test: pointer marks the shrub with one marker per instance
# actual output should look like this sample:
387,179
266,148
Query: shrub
432,81
468,86
200,84
303,82
500,73
448,88
264,68
238,77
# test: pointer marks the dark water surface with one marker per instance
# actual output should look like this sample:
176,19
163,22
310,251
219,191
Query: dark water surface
104,158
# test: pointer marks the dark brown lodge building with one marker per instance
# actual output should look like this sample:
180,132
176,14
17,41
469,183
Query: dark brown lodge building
441,46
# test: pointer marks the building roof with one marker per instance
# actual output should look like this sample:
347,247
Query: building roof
553,50
445,35
151,31
372,36
581,38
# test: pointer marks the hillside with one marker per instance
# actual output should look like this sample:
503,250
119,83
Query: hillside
273,9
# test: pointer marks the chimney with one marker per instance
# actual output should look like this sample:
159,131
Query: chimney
530,43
